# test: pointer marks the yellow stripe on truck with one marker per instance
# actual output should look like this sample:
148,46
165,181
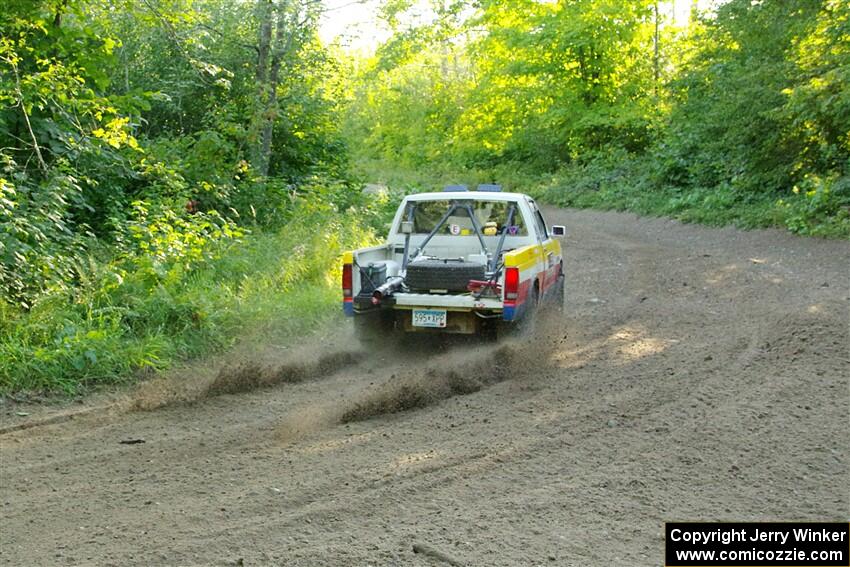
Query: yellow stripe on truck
348,258
525,257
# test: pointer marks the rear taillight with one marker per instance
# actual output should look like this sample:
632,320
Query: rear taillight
347,280
511,283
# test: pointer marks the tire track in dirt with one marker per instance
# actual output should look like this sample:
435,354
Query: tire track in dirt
241,373
232,374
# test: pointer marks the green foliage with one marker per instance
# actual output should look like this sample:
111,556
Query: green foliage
628,183
821,207
38,249
817,110
727,124
61,138
542,83
715,122
563,78
134,229
108,105
188,291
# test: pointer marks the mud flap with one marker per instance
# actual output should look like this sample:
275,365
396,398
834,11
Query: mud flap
375,328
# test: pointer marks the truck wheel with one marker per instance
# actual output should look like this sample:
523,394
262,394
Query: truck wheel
527,324
376,329
451,275
558,291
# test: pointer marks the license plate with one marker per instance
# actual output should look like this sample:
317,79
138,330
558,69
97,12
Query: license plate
429,318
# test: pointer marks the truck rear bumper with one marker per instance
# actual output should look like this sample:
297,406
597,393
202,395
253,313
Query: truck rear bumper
452,302
464,313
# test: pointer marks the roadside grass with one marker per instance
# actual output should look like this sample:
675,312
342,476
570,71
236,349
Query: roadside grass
121,325
819,207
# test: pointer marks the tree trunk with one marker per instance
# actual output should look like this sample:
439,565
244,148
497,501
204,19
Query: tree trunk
655,60
270,114
265,15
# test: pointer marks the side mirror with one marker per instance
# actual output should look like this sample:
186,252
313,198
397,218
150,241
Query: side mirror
407,227
559,230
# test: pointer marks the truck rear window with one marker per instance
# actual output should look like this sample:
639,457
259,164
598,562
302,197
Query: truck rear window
429,213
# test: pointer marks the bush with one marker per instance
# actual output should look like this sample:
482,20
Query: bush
819,207
183,294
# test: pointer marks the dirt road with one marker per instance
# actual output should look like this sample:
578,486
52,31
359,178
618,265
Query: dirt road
698,374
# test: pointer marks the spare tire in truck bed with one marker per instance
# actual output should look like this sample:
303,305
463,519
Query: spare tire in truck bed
451,275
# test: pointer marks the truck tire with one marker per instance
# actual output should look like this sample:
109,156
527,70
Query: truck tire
451,275
560,292
556,294
528,323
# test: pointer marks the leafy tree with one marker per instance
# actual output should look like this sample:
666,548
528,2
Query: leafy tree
577,73
728,125
162,102
816,113
61,136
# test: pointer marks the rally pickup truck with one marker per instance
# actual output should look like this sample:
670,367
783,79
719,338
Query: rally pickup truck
459,261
